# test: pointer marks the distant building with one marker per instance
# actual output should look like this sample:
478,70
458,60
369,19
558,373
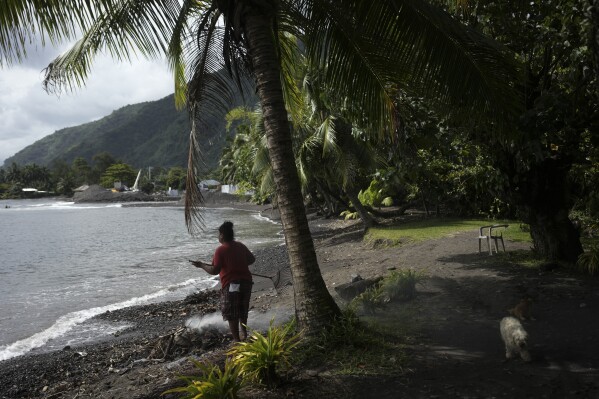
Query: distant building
228,189
233,189
209,185
81,189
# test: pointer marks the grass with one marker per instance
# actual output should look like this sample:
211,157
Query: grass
428,229
352,347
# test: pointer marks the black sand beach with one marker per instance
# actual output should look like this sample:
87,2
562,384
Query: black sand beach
449,333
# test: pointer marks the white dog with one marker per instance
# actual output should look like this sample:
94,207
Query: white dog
515,338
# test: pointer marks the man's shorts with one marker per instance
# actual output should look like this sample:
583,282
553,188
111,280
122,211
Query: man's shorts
236,305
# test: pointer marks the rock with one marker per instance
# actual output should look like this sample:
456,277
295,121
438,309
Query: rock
351,290
96,193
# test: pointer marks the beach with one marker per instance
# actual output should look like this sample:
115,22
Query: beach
89,369
450,331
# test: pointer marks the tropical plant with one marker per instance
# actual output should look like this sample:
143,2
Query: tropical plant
214,383
261,357
175,178
349,215
363,47
65,185
101,162
119,172
372,299
588,261
373,196
81,170
13,173
33,175
399,285
334,155
345,330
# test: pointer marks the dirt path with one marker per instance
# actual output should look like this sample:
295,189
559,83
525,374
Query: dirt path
457,350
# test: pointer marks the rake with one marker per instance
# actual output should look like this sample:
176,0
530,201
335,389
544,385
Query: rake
279,280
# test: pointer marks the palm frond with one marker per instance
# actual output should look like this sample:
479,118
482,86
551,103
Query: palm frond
193,195
122,29
267,184
327,134
290,59
216,71
22,22
364,47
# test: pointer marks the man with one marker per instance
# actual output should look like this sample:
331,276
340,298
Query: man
231,262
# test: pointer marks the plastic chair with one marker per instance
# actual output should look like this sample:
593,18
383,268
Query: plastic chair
482,236
497,236
491,236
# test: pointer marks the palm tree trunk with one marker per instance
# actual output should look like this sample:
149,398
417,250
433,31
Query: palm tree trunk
314,306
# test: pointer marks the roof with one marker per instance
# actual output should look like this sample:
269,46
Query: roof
210,182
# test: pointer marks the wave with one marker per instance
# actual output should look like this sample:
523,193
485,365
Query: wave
264,218
61,206
66,323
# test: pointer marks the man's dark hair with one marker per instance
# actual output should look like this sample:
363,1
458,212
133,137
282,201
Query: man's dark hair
226,229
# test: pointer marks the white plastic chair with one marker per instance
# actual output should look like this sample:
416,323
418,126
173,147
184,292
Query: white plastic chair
490,235
497,235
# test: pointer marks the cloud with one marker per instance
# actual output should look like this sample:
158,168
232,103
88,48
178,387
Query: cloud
28,113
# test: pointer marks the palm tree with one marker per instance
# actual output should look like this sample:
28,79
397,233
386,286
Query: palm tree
364,46
13,173
335,151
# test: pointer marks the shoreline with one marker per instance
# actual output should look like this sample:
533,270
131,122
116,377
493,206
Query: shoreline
28,374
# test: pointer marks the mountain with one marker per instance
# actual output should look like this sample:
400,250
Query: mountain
152,133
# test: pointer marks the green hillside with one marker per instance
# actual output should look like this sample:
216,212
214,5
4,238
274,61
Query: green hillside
147,134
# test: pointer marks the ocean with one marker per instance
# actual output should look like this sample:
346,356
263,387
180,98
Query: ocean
62,263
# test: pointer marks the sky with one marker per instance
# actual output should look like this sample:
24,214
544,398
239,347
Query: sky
28,113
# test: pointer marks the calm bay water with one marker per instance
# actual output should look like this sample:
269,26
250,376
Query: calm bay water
62,263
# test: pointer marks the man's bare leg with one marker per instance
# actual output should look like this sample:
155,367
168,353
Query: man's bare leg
244,331
234,327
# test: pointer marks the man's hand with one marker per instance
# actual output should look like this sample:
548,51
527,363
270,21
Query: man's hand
210,269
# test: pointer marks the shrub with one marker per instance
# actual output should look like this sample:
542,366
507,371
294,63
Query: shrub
213,383
401,285
397,286
588,261
388,201
373,195
347,215
345,330
349,346
372,299
259,357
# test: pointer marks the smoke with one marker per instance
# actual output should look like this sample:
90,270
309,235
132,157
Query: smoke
256,321
207,322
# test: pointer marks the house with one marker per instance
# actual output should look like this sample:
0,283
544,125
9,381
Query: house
209,185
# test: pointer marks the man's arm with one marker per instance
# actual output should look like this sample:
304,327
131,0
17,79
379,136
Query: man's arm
251,257
208,268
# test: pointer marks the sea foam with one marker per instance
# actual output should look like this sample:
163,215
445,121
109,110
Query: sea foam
66,323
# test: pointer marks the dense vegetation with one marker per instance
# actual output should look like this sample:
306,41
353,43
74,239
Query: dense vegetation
540,167
61,178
